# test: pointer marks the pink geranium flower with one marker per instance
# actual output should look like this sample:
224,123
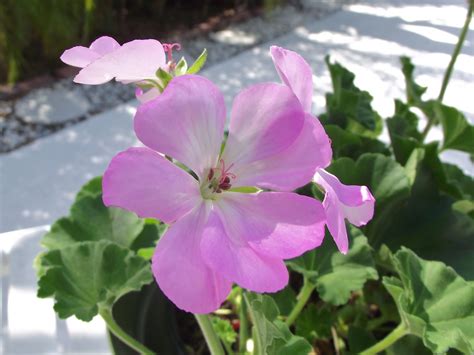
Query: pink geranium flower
341,202
218,235
132,62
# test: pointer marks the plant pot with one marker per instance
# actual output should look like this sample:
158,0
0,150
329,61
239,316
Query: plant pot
149,317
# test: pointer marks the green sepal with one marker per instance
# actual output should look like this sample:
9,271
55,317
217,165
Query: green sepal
198,64
181,67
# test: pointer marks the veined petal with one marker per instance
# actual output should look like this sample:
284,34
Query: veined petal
179,268
134,61
185,122
238,262
104,45
265,120
293,167
351,202
295,72
277,224
79,56
142,181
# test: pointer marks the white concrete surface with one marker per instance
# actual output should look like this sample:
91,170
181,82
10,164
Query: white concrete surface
39,181
29,324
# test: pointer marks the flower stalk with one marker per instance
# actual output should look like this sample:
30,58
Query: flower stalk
116,330
390,339
449,69
302,299
212,340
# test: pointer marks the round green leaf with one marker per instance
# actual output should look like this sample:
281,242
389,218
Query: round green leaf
434,302
86,276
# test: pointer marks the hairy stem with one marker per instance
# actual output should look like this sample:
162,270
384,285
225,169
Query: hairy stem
244,326
302,298
396,334
116,330
212,340
449,69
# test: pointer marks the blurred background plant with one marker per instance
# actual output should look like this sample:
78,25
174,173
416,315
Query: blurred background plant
33,33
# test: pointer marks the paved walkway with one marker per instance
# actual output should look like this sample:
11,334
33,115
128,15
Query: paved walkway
39,181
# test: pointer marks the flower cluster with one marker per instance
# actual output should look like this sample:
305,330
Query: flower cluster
233,216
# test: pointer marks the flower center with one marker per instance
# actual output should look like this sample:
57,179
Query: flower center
218,179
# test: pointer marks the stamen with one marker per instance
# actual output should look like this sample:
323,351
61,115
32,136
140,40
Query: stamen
168,48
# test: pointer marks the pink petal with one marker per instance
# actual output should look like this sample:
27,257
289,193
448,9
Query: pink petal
179,268
185,122
147,95
104,45
142,181
277,224
134,61
79,56
295,72
265,120
293,167
351,202
237,261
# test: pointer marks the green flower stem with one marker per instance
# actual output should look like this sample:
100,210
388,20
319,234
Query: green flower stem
303,297
396,334
255,330
449,69
116,330
212,340
244,326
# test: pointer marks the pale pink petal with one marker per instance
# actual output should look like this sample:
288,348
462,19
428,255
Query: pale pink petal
79,56
179,268
134,61
293,167
104,45
238,262
142,181
145,96
277,224
351,202
295,72
265,120
185,122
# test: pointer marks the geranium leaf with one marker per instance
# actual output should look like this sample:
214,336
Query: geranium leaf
458,133
413,90
224,330
434,302
348,106
403,131
86,276
386,179
285,300
90,220
315,322
336,275
272,336
426,222
92,188
348,144
199,63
